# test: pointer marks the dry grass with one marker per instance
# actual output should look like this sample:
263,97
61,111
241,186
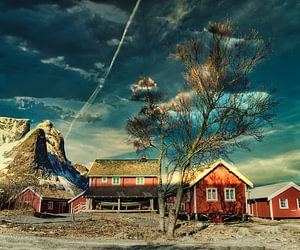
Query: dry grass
108,226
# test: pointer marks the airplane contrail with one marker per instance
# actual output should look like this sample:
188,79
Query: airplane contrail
93,96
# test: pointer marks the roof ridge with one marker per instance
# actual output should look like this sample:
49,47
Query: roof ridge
131,159
276,184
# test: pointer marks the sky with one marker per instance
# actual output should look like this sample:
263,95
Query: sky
54,53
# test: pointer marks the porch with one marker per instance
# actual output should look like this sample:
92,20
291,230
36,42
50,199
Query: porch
122,199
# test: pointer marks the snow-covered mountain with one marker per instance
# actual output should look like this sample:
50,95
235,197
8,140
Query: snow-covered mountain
12,129
36,157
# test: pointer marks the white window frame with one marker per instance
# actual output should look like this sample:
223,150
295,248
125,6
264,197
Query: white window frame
287,204
207,191
103,179
298,203
225,198
141,178
112,181
50,205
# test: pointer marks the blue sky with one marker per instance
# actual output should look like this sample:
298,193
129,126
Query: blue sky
53,54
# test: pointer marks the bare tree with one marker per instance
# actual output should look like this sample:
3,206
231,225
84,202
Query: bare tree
148,131
220,110
216,115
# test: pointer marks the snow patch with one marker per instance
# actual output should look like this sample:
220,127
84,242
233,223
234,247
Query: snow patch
66,184
5,149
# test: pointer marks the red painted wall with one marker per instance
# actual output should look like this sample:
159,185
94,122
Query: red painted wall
76,202
29,197
124,181
261,208
219,178
57,206
293,211
41,205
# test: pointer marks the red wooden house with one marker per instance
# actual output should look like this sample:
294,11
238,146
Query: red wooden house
119,185
215,190
277,201
45,199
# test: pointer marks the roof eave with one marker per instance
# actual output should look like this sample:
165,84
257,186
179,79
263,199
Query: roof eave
281,190
229,167
118,175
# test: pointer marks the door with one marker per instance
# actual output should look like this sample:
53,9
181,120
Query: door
61,207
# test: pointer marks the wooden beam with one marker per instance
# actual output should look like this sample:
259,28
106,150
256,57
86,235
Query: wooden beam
119,204
151,204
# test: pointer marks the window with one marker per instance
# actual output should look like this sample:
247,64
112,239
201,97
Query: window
182,207
283,203
229,194
211,194
139,180
104,179
188,196
298,202
50,205
116,180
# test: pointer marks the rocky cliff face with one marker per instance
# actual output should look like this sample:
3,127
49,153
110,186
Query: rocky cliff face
57,156
39,157
12,129
81,169
55,143
31,156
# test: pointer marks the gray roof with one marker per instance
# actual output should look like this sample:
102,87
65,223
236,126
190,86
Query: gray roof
269,190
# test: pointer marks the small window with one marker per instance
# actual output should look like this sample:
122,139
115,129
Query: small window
188,196
104,179
211,194
229,194
298,202
140,180
116,180
50,205
283,203
182,207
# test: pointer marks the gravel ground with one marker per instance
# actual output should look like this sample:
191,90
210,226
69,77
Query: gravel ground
139,231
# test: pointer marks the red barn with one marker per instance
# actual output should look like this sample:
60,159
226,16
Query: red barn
277,201
215,190
78,203
45,199
120,185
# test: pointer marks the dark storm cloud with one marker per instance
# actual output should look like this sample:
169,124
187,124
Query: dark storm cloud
15,4
50,32
60,49
82,32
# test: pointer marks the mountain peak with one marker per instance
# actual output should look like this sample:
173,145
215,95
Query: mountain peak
39,156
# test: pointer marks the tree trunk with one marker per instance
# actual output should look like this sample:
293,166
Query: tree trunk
173,212
161,209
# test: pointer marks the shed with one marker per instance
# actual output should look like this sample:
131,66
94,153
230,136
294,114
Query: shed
275,201
46,199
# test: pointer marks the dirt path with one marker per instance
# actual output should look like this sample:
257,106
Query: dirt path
139,231
18,242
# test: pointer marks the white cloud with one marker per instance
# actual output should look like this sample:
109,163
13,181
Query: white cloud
113,42
172,21
108,12
24,47
96,143
99,65
59,61
54,60
273,169
21,44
